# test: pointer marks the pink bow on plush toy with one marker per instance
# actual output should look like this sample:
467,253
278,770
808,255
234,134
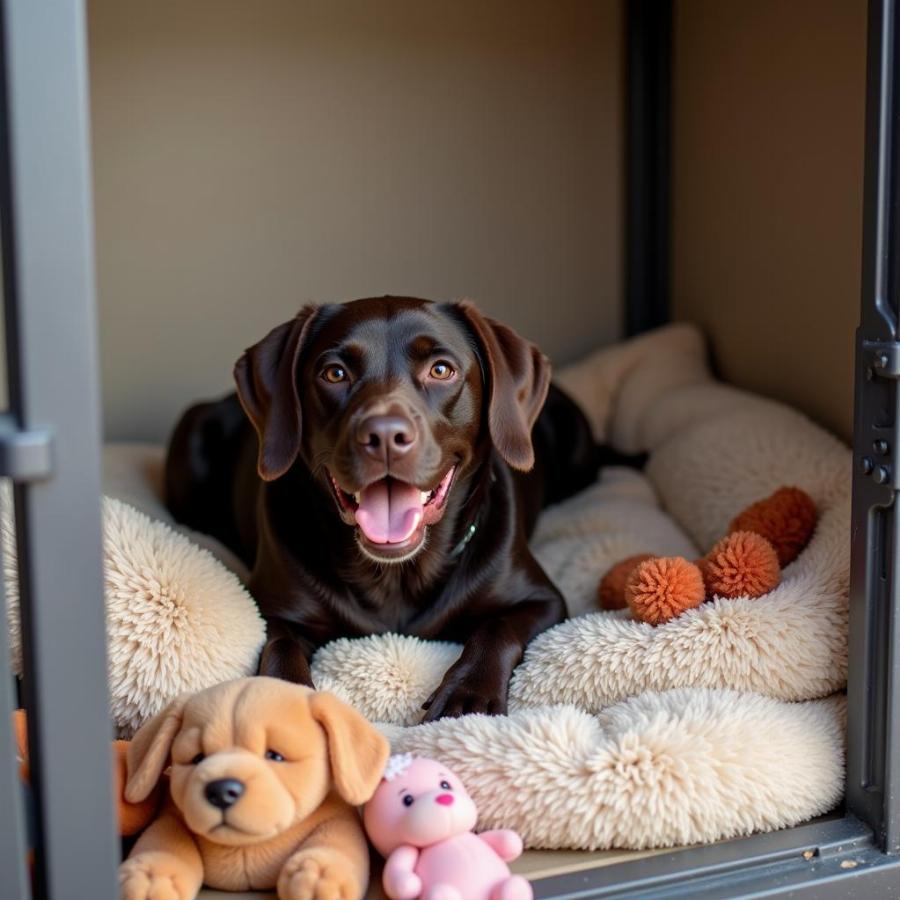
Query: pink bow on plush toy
421,819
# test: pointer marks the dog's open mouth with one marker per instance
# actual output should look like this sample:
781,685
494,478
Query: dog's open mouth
392,515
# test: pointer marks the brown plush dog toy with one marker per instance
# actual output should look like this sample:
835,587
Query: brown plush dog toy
263,780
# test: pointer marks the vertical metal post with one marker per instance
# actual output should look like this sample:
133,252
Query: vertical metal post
873,761
45,199
648,162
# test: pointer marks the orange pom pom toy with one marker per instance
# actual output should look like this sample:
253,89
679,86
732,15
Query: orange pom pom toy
743,564
747,563
662,588
611,590
787,520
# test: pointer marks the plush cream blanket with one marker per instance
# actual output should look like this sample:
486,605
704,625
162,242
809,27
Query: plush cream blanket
620,734
626,735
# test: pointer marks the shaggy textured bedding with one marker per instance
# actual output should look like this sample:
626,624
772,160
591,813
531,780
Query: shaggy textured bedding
674,734
620,734
176,619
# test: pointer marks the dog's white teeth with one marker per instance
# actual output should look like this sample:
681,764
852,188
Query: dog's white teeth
358,497
425,496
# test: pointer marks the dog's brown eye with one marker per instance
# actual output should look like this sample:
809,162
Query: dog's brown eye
408,800
441,370
334,374
274,755
197,759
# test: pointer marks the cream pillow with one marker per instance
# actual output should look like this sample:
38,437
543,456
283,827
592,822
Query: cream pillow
177,619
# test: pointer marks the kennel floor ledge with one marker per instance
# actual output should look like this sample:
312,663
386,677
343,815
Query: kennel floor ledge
534,864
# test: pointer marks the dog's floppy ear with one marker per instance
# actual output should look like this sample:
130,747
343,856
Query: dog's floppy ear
266,378
518,378
357,752
148,751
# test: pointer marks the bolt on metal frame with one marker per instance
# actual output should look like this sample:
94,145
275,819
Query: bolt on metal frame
50,449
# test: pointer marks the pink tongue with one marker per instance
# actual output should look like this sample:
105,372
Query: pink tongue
389,512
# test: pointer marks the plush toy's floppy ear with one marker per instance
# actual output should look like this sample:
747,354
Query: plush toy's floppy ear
518,378
148,751
357,752
266,378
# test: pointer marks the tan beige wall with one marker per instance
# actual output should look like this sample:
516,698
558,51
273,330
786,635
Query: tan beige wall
769,116
252,156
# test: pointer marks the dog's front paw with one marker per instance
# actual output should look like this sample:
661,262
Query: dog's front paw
316,875
465,691
155,876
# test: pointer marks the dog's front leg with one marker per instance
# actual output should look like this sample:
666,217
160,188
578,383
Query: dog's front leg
286,653
165,862
478,682
331,864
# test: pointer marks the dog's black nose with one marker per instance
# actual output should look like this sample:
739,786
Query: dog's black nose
386,436
224,792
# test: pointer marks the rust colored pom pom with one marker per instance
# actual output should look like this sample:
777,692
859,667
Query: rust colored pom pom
744,564
611,590
662,588
786,520
701,565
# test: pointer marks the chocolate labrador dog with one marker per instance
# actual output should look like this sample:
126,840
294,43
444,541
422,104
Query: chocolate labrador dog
380,469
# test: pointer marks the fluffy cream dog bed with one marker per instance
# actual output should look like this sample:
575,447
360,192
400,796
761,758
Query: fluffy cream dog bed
660,770
176,619
620,735
666,766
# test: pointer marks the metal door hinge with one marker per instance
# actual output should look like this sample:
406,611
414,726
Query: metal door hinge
878,431
25,455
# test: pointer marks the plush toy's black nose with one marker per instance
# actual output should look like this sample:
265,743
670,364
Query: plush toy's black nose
224,792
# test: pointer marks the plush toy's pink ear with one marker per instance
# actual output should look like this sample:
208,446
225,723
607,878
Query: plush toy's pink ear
518,378
266,379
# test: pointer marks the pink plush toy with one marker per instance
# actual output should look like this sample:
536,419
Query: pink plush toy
421,819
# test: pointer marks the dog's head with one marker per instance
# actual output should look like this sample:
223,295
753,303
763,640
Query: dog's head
251,758
388,401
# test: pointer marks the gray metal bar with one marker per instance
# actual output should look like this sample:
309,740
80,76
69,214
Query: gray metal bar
50,327
837,858
878,313
873,777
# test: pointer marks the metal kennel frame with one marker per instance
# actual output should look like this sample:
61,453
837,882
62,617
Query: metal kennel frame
50,450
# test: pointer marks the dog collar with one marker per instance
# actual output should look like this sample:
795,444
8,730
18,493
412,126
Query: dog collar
470,533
